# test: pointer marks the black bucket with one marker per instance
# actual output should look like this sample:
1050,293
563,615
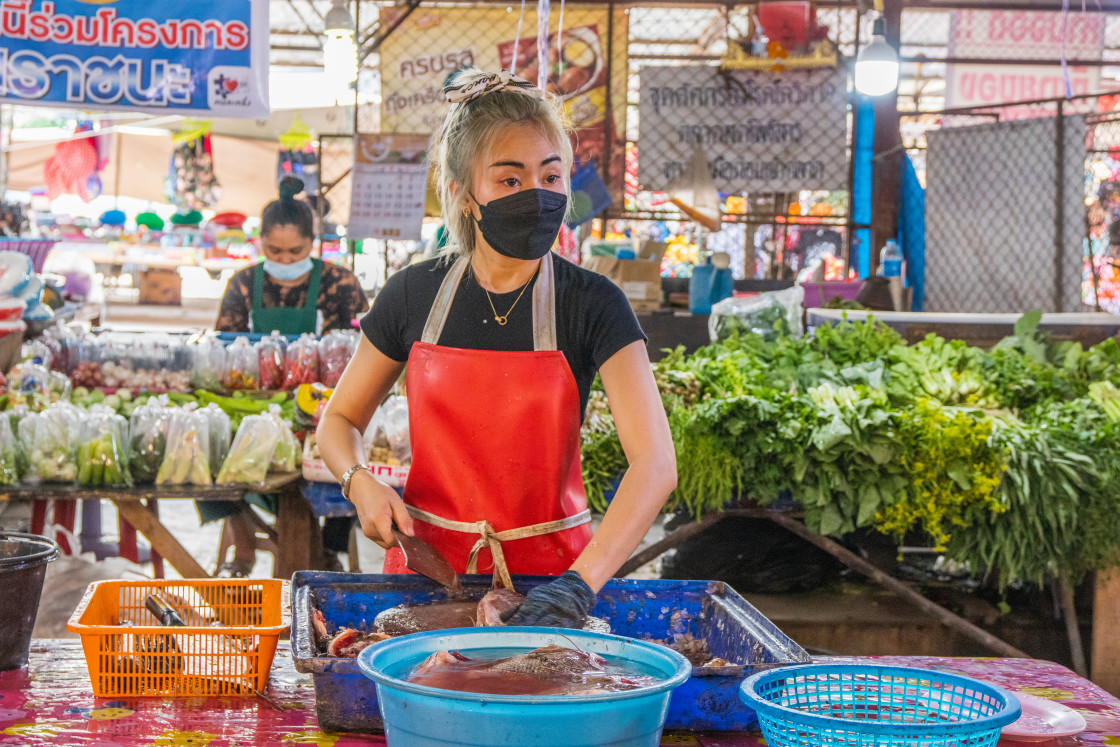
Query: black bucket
23,564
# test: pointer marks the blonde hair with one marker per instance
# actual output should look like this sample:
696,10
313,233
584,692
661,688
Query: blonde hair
465,139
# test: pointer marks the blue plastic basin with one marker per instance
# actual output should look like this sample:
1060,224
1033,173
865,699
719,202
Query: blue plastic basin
421,716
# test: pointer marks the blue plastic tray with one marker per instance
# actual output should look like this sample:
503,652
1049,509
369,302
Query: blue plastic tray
345,700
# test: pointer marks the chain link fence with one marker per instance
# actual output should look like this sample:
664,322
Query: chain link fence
1020,202
597,63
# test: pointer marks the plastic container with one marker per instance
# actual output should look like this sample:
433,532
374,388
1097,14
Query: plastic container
818,294
346,700
129,654
420,716
23,565
11,309
872,706
890,260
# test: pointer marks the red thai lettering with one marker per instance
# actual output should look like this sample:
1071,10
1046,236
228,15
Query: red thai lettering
147,33
191,35
237,36
14,22
63,30
39,27
169,33
88,31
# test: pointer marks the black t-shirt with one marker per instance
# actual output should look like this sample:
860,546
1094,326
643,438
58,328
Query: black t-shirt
593,318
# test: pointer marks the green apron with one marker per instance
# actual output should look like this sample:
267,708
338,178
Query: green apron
287,321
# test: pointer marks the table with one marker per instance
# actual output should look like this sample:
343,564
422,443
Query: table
50,703
297,529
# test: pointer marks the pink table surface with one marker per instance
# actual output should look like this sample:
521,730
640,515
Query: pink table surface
50,702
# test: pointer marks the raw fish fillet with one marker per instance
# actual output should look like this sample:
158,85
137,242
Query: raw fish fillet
551,670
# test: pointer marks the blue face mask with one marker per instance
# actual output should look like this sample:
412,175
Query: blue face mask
281,271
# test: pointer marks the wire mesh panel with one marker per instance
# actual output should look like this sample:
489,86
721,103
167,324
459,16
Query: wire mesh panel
1005,215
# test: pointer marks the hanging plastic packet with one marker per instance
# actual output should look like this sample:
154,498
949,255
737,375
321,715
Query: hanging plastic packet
335,351
288,455
388,433
9,454
49,439
102,449
270,356
251,452
218,423
187,461
301,362
209,363
147,439
242,365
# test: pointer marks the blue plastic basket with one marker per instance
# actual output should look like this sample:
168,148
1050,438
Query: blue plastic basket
868,706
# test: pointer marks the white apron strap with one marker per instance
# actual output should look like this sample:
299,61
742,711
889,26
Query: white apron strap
493,540
544,304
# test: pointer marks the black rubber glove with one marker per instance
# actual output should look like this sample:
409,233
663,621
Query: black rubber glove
562,603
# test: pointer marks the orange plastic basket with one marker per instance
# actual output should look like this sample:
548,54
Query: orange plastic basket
226,647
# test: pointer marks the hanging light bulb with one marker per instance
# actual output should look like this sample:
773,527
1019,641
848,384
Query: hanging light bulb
877,64
340,53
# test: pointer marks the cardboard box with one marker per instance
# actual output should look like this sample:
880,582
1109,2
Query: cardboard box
640,278
161,286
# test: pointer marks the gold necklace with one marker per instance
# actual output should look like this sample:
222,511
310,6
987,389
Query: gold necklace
501,319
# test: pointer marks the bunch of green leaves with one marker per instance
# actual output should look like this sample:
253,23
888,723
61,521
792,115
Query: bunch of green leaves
748,444
1034,537
951,468
850,467
944,371
603,460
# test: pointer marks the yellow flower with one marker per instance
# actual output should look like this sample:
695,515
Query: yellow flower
175,738
44,730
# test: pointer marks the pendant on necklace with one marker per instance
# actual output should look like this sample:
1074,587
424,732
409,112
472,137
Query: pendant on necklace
501,320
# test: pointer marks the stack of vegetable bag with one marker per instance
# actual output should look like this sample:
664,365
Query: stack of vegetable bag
1008,459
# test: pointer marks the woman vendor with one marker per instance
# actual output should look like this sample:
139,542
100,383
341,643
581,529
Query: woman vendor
290,292
502,339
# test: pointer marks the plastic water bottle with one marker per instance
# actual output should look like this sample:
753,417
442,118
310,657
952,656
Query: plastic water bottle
890,260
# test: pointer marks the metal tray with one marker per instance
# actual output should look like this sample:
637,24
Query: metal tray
345,700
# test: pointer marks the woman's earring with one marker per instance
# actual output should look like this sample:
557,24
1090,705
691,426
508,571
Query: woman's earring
466,211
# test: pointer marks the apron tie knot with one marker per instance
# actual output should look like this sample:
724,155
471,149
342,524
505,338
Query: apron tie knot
492,539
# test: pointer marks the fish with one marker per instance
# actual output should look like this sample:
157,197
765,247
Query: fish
550,670
452,613
346,642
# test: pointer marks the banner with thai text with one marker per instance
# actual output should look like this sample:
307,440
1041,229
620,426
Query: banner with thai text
1021,35
208,57
760,131
585,66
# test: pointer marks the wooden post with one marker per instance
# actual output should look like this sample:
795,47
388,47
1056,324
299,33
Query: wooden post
162,541
886,166
1105,662
298,540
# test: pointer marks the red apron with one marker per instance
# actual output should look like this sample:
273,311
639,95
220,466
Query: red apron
495,447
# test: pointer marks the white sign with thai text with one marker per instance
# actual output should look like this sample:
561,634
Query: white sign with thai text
760,131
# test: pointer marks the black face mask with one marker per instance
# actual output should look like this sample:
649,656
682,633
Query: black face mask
523,225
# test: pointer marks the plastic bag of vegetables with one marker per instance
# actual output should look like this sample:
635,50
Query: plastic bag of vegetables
270,357
387,433
335,351
147,439
209,363
50,440
218,423
301,362
102,449
288,454
9,454
242,365
187,461
252,451
772,315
